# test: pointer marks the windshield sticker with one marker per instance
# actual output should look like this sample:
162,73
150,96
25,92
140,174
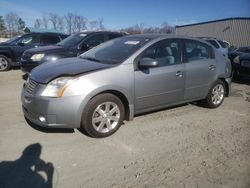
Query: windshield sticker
132,42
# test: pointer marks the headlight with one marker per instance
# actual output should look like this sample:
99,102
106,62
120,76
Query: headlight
236,60
57,87
37,57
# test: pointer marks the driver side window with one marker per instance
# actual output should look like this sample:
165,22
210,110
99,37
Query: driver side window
31,39
166,52
95,40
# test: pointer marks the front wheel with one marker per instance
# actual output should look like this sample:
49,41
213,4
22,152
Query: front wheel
4,63
103,115
216,95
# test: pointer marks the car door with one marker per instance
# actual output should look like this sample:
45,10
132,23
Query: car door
25,43
200,68
162,85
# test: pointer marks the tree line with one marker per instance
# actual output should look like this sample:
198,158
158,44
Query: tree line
11,24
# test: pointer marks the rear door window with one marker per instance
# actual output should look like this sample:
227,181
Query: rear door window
222,44
196,50
46,39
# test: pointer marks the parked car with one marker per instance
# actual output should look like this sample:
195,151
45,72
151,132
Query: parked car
220,45
70,47
240,59
123,77
12,50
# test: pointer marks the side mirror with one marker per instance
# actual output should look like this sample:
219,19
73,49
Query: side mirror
20,44
147,63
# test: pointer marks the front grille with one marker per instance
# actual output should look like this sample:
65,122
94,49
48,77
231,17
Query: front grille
31,86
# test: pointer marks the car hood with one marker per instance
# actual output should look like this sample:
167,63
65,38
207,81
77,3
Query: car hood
65,67
245,56
46,49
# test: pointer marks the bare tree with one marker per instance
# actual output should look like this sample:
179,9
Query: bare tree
11,20
38,23
165,28
93,25
45,21
100,24
78,23
69,22
54,20
60,24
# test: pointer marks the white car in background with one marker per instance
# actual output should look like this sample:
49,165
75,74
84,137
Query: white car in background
220,45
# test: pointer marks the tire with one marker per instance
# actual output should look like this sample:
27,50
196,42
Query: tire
215,95
103,115
4,63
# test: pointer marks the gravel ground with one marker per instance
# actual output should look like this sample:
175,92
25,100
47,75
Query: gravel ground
186,146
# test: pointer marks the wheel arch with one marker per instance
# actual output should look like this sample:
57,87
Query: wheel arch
123,99
226,86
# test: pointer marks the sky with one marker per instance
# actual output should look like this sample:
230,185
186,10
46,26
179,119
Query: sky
119,14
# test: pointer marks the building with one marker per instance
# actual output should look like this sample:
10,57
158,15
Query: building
236,31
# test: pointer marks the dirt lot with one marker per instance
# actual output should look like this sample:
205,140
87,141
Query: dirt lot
187,146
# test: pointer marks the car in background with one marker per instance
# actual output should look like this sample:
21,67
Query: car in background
72,46
12,49
123,77
220,45
240,59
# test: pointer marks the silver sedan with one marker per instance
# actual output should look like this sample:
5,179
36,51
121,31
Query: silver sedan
123,77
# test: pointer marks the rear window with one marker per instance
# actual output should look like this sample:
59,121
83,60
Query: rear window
214,43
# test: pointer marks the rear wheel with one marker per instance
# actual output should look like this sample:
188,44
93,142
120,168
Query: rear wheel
103,115
4,63
216,95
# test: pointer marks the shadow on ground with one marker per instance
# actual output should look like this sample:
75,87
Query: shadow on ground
27,171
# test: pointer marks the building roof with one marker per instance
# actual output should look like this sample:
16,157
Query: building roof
213,21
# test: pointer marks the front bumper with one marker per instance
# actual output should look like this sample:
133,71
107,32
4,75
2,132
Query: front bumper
64,112
27,66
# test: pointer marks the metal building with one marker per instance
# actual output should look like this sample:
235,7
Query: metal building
234,30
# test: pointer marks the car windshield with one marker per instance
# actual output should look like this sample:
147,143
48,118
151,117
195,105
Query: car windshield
115,51
72,40
13,39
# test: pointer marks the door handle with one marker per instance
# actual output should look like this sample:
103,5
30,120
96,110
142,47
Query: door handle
179,73
211,67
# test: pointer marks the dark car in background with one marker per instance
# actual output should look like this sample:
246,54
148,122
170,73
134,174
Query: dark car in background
72,46
240,59
12,50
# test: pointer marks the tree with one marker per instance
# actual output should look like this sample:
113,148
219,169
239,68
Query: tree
69,22
54,20
78,23
2,24
21,24
60,24
45,21
11,20
37,23
93,25
165,28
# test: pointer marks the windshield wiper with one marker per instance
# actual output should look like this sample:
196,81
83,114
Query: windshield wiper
91,59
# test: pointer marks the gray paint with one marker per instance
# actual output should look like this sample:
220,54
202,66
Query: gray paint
145,90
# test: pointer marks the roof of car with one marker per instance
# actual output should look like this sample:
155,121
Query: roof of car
92,32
